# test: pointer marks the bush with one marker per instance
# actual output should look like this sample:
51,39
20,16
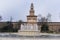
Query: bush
50,31
44,28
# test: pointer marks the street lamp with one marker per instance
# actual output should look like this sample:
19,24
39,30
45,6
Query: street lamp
0,18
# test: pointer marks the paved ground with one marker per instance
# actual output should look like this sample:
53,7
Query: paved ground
25,39
30,38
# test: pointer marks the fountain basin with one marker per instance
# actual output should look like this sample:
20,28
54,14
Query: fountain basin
28,33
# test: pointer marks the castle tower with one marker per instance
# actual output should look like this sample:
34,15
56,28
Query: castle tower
31,18
30,28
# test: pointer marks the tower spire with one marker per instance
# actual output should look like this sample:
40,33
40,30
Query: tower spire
31,18
32,9
32,6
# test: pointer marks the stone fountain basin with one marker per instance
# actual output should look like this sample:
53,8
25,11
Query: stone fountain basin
41,35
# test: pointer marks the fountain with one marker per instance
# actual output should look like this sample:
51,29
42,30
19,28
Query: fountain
29,30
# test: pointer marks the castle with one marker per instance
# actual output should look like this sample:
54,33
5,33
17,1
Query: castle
32,19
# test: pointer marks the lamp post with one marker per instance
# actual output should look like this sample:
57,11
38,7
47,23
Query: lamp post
0,18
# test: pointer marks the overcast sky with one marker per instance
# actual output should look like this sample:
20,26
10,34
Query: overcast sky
19,9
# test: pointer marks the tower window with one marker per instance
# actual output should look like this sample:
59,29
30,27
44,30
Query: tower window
34,18
29,18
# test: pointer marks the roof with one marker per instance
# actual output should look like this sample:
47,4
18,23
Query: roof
31,16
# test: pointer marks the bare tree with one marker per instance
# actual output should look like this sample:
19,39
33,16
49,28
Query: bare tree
11,19
39,18
19,24
43,22
43,19
49,17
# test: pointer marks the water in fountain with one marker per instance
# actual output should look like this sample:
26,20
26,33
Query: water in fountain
29,27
